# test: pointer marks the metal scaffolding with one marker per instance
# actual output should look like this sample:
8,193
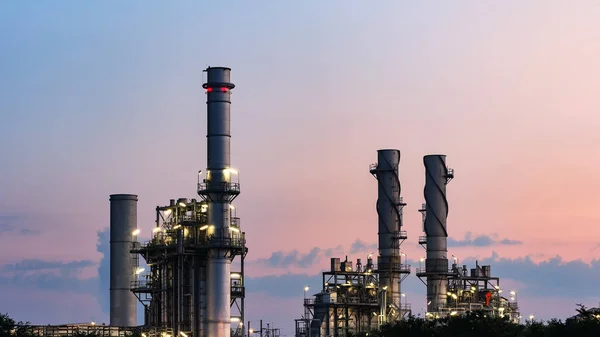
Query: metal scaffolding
352,301
475,291
264,331
174,291
80,329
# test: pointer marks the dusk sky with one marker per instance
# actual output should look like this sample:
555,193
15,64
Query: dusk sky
105,97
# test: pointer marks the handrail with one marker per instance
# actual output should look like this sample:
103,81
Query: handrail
231,187
208,241
383,267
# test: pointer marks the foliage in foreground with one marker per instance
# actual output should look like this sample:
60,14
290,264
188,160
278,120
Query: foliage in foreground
471,325
476,325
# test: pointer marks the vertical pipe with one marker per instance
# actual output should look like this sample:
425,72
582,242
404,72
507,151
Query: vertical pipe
389,211
175,305
178,304
156,274
243,284
436,210
123,221
187,294
197,319
164,299
219,192
203,297
170,281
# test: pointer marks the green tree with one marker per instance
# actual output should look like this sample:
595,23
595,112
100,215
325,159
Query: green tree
7,325
476,324
22,329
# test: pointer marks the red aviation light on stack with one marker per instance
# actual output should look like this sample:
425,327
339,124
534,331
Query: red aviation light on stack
210,89
218,83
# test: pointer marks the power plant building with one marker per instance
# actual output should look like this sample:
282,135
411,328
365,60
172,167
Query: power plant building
195,285
361,299
357,300
454,291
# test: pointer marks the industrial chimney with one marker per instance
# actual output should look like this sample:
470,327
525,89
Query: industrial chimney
123,225
219,190
389,210
437,176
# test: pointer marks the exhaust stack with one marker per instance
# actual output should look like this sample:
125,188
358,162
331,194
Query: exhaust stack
219,190
123,223
389,210
437,176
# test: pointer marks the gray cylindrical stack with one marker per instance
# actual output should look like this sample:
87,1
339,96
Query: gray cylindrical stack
389,211
436,178
218,265
123,221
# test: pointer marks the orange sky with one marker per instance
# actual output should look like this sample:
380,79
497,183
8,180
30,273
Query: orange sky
104,101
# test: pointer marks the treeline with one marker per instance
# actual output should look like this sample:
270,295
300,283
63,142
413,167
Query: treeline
8,326
475,324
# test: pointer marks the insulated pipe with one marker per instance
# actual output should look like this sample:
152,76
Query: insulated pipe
436,206
123,221
389,211
219,193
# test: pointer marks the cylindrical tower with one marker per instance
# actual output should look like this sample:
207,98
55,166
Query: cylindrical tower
123,223
389,211
218,190
437,176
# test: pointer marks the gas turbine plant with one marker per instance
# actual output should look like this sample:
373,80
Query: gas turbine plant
191,288
453,291
355,301
195,285
361,299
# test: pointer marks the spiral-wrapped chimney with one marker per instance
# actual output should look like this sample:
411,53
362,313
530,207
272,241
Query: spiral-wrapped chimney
389,211
437,176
